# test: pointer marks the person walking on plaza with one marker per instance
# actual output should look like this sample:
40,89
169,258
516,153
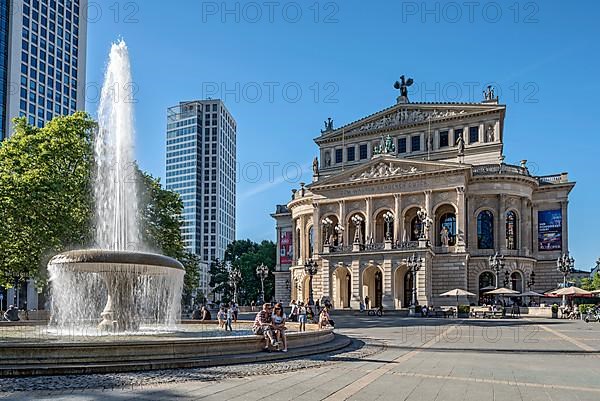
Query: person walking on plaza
253,306
221,317
301,317
263,325
293,311
367,302
234,310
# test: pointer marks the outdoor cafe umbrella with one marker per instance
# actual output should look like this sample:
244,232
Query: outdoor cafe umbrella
530,294
570,291
502,291
488,288
457,292
596,292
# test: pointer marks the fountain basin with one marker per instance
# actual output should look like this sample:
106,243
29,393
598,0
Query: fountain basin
157,352
140,288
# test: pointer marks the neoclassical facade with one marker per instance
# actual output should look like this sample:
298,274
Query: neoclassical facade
421,179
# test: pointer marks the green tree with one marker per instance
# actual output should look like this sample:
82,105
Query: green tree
591,284
219,280
246,255
160,217
46,201
45,193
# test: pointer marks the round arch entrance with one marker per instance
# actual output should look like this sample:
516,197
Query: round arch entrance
372,284
342,288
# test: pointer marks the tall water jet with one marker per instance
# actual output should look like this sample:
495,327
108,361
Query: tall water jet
115,188
115,287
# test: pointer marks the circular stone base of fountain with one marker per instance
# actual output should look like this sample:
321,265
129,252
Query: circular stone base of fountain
123,355
103,260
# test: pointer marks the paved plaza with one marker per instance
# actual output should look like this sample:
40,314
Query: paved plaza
391,358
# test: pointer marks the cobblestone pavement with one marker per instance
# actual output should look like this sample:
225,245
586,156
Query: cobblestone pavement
401,359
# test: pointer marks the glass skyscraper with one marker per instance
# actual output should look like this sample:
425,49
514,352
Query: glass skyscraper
201,167
42,66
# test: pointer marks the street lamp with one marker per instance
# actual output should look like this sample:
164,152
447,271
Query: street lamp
235,276
310,267
327,223
564,264
506,279
262,272
388,217
357,219
414,264
496,263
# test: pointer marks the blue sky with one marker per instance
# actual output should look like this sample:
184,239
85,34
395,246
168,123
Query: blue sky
283,67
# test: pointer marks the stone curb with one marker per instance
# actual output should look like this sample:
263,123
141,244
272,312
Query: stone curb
338,343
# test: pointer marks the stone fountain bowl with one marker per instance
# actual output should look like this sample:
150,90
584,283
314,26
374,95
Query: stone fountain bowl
121,271
103,260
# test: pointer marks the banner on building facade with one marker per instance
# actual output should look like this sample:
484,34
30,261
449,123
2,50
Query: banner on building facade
550,230
285,248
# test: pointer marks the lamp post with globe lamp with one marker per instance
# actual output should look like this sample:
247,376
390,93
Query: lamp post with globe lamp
564,264
262,272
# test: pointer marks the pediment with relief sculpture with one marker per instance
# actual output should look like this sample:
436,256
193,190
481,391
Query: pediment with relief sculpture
387,167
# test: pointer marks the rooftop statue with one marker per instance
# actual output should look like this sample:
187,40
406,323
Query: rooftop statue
403,85
328,125
386,146
488,94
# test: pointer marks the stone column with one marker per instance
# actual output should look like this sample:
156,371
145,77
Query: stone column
342,221
325,279
564,206
524,234
502,223
428,208
387,298
317,230
482,133
356,296
397,217
368,218
534,228
303,248
460,220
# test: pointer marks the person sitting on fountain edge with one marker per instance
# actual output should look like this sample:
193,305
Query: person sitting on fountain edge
263,325
12,314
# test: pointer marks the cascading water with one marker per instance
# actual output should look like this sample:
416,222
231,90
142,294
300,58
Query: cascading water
115,188
126,288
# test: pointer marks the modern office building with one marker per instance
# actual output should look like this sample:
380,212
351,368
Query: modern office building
201,167
42,60
42,75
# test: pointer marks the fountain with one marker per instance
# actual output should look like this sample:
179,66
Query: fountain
117,281
115,306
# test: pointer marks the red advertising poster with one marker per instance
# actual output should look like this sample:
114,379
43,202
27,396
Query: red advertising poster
285,248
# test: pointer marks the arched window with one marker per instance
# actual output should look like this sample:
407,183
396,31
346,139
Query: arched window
511,230
415,229
486,283
448,221
311,242
516,281
485,230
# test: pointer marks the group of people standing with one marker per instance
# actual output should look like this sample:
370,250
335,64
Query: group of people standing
228,314
303,312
